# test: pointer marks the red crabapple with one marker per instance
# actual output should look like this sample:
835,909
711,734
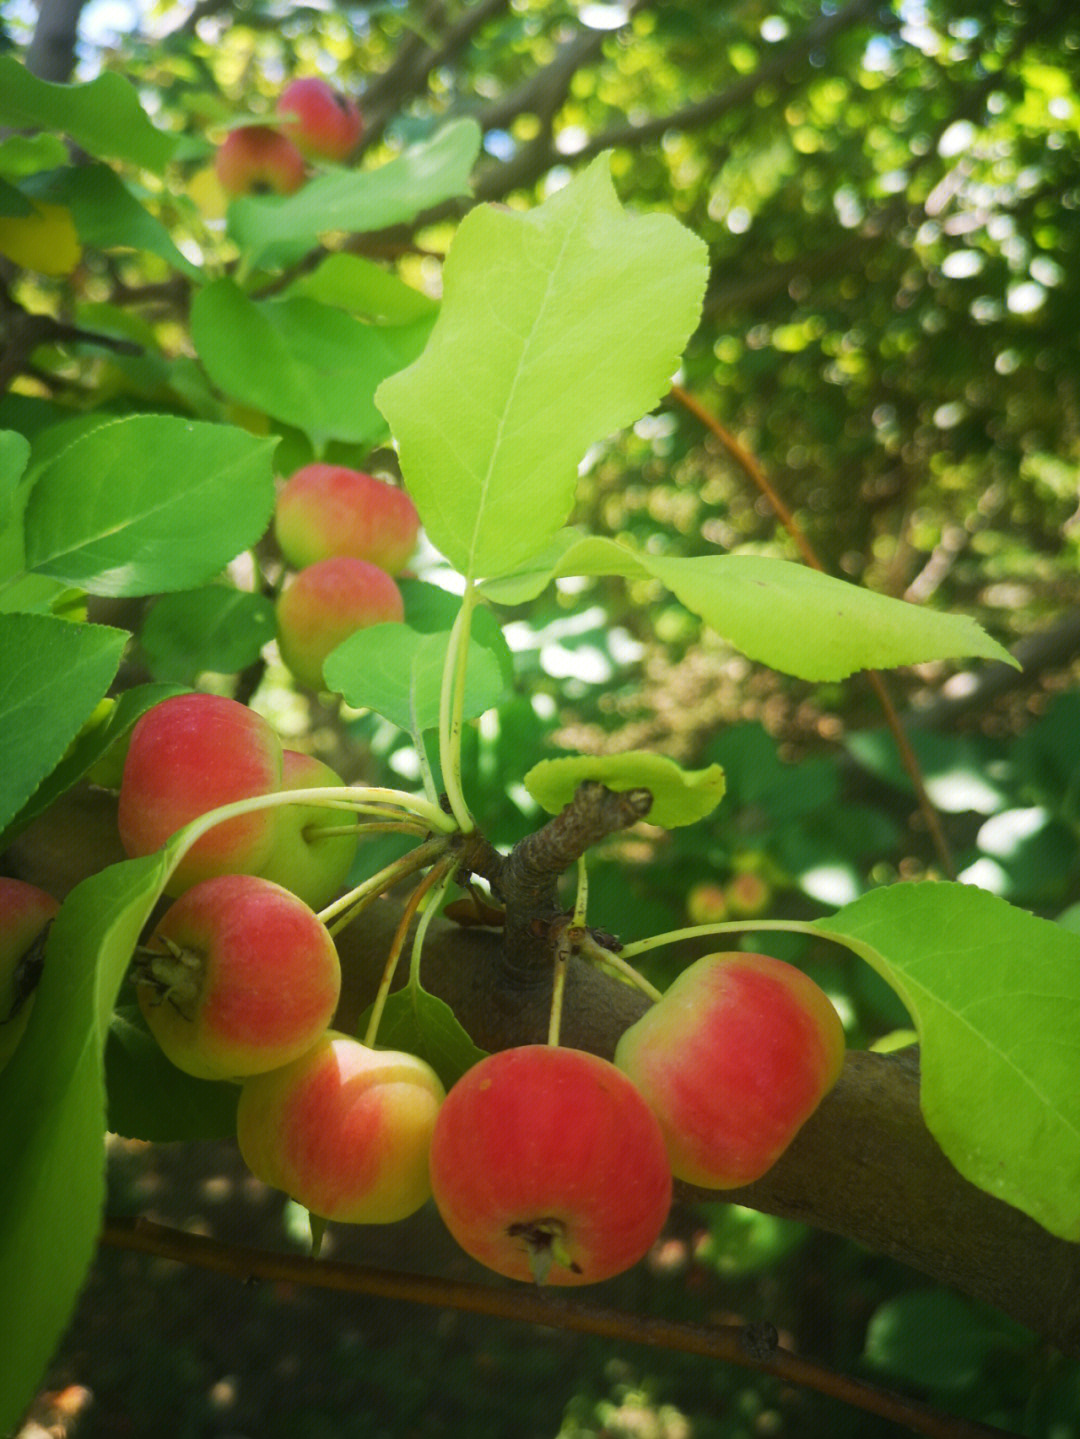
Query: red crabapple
25,911
547,1164
258,160
312,867
706,903
239,977
324,604
319,120
326,510
732,1060
344,1130
748,895
188,755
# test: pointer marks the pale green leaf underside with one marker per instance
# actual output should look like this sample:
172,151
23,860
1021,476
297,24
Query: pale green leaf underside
782,614
679,796
995,996
558,326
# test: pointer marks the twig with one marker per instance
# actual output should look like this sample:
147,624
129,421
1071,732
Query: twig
731,1343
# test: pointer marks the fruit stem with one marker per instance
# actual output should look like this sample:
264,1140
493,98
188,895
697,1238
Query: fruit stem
581,898
412,904
565,946
349,905
743,926
452,709
593,950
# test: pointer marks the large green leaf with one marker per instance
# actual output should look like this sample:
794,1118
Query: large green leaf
397,671
52,1097
307,364
275,230
149,503
557,326
52,674
103,116
782,614
353,283
994,993
420,1023
216,628
149,1098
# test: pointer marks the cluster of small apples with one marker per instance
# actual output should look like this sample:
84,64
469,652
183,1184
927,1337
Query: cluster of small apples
347,536
314,122
746,895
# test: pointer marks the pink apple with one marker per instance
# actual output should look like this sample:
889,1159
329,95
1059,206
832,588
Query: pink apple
326,603
326,510
547,1165
258,160
190,754
344,1130
312,866
706,903
25,910
732,1060
239,977
748,895
319,120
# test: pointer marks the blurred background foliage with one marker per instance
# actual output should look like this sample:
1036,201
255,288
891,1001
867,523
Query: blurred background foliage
891,197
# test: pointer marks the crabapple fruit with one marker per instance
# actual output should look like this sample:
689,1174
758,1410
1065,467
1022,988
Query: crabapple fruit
258,160
326,510
190,754
313,866
324,604
344,1130
319,120
732,1060
748,895
239,977
706,903
547,1165
25,911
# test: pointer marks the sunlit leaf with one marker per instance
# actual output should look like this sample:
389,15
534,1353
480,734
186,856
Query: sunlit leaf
679,796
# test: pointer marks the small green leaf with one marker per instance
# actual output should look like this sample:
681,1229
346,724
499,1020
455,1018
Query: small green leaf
305,363
149,1098
419,1023
397,672
14,455
217,628
994,993
679,796
149,503
52,674
935,1339
557,326
275,230
103,116
52,1097
350,282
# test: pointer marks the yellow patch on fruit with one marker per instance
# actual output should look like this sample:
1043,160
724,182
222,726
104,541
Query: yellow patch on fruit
45,241
205,189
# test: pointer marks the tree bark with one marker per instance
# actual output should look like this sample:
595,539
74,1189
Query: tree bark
51,54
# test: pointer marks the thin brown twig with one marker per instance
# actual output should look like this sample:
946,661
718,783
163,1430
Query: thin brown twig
750,466
749,1346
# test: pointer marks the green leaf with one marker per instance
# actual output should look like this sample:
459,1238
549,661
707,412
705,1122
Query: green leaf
14,455
935,1339
557,326
27,154
52,1097
276,230
679,796
782,614
149,1098
103,117
95,739
217,628
397,672
994,993
52,674
107,215
149,503
302,362
350,282
421,1024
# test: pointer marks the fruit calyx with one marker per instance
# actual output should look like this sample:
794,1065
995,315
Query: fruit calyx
544,1241
174,974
